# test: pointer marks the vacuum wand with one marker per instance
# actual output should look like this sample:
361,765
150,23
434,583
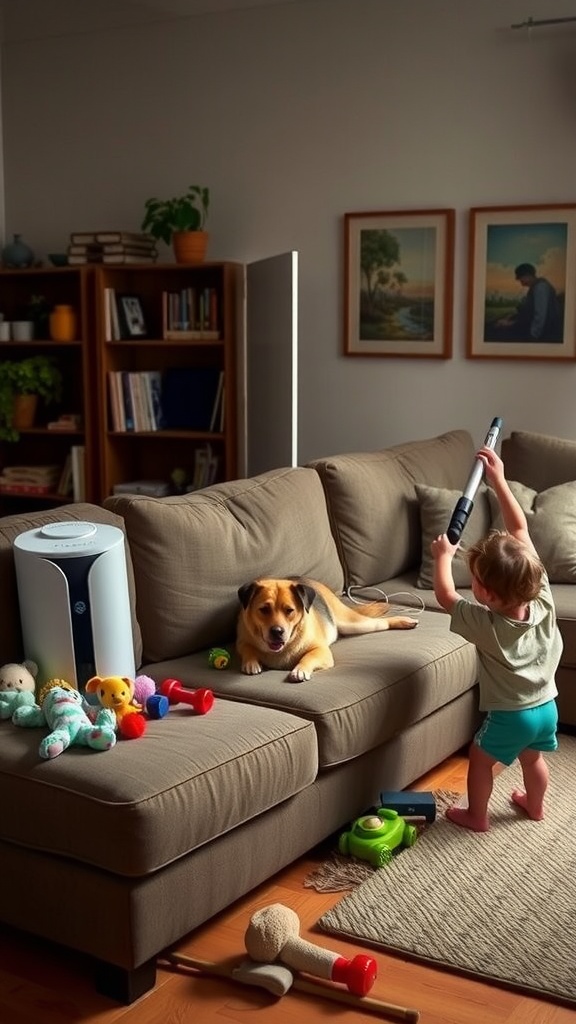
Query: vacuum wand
465,503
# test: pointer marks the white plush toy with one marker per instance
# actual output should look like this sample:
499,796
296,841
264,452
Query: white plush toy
17,686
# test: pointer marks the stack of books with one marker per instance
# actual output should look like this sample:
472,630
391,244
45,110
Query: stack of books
29,479
111,247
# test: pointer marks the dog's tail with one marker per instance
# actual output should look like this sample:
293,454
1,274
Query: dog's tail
373,610
352,621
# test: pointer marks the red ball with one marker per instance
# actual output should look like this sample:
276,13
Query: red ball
132,727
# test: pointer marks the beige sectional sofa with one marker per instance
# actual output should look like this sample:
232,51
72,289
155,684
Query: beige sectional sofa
154,837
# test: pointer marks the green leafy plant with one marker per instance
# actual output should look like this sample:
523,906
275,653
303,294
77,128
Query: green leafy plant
35,375
184,213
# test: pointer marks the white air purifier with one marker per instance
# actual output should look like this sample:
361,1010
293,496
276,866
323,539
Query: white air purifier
74,601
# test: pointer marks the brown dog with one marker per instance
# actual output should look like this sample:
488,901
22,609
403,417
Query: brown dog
290,624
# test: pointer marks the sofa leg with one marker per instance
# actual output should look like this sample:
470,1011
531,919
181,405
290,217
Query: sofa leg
122,985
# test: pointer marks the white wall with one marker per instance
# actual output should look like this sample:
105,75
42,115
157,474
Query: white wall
294,114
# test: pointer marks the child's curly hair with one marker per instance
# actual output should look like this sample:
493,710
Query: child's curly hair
505,566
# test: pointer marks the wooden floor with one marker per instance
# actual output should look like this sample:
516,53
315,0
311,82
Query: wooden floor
42,984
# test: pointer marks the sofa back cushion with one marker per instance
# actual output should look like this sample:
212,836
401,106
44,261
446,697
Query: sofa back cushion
537,460
551,517
11,646
192,552
373,506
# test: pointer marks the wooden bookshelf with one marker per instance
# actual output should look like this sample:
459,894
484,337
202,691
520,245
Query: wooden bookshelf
40,445
190,362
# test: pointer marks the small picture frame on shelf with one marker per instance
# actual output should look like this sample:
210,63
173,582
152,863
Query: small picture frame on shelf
132,322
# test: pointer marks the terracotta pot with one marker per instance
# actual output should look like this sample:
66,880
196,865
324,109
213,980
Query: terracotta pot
63,324
190,246
24,411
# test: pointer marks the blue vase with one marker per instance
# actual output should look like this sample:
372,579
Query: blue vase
17,254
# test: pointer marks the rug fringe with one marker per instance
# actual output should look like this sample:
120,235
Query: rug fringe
341,873
338,874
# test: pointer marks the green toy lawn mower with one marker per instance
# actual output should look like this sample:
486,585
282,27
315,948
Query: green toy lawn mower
374,837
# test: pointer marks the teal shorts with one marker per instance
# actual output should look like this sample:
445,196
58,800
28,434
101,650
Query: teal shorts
505,734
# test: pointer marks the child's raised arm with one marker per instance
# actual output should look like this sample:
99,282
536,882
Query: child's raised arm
514,518
443,552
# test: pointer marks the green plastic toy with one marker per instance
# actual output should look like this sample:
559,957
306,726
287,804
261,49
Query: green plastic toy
218,657
373,837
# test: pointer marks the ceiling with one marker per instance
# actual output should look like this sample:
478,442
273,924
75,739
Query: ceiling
40,19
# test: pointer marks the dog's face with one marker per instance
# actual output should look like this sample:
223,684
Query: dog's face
273,611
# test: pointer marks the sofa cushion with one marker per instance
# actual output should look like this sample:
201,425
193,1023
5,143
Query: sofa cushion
537,460
436,507
381,684
147,802
11,648
191,553
372,502
551,519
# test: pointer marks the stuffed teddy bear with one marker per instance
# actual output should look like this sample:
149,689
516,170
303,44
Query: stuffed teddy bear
17,686
117,693
61,708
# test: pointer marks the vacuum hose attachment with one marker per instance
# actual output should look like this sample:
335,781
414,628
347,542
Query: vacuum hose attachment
465,504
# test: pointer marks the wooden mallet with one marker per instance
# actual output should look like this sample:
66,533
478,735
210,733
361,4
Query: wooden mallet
310,987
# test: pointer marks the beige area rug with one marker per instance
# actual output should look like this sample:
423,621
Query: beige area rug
500,906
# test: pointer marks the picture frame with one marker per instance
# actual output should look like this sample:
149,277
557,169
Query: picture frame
133,324
522,282
398,283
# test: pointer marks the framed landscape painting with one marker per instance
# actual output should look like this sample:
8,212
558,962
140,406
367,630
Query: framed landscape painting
522,282
398,283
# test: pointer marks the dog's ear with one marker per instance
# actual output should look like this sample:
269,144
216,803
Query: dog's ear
305,593
245,593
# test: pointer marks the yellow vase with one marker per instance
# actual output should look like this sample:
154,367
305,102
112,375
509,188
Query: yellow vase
63,324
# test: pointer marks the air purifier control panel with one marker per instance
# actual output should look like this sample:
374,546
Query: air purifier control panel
70,537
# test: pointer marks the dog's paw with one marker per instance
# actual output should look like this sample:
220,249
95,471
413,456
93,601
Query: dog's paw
408,623
251,668
299,675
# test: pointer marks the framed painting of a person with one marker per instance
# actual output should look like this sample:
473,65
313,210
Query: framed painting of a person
521,269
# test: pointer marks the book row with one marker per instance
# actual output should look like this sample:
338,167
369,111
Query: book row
173,399
191,313
188,314
135,400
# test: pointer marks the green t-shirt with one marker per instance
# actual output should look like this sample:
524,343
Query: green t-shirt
517,660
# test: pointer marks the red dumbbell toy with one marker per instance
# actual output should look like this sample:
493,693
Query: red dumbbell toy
201,700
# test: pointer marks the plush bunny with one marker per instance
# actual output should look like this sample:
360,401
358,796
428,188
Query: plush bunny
17,686
61,708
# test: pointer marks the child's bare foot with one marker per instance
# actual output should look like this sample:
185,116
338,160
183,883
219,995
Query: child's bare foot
519,797
461,816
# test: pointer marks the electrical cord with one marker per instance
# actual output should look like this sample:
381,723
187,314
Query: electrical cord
383,596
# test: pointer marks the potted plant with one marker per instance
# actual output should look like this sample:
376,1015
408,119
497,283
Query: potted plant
38,376
180,221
